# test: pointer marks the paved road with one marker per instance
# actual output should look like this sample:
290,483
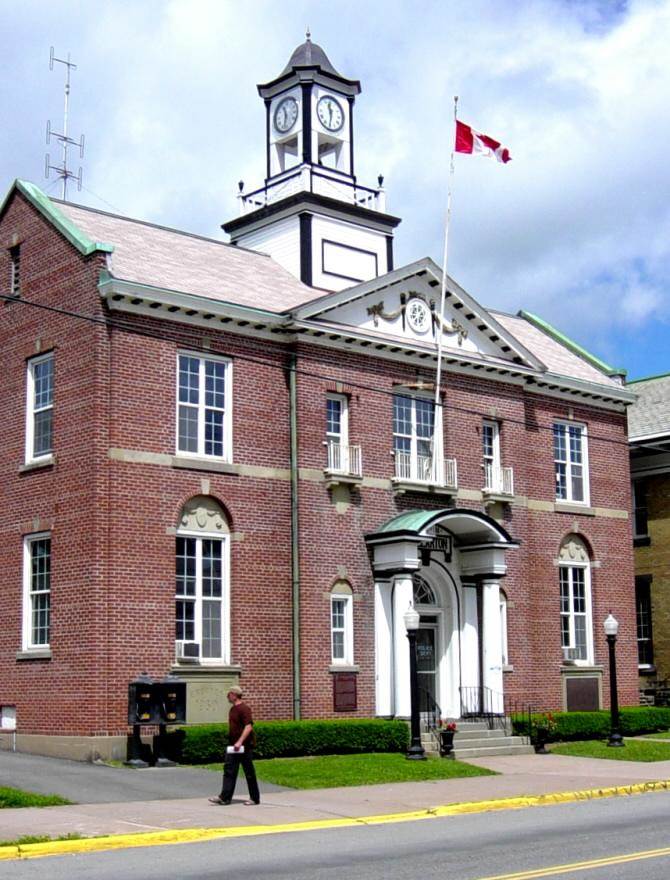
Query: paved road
97,784
460,848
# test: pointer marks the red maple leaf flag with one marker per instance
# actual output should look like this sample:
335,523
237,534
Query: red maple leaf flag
470,141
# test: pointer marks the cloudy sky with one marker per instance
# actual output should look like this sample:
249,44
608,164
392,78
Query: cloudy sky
576,228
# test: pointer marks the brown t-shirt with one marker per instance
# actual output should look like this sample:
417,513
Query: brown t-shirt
239,717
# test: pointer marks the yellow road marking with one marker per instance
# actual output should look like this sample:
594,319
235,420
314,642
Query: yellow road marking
201,835
583,866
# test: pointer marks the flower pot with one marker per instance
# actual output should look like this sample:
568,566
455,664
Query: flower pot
446,743
540,740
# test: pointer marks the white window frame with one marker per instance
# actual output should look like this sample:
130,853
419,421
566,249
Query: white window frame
347,630
15,270
27,643
566,426
340,459
588,614
640,493
199,537
203,358
418,474
32,411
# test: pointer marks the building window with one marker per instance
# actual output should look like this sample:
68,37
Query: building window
39,408
15,270
37,592
571,462
503,628
204,426
413,424
341,625
645,648
640,512
202,583
337,432
574,574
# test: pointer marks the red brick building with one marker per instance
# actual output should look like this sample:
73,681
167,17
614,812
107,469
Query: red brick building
235,466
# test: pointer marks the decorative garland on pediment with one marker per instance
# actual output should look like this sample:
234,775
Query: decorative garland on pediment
377,311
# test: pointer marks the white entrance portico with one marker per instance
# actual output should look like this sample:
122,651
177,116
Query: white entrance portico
448,564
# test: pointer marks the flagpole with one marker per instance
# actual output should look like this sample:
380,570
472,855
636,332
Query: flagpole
443,292
438,475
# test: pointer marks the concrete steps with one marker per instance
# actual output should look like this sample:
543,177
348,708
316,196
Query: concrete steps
474,739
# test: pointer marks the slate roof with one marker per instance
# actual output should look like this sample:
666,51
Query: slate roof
650,414
310,54
557,357
174,260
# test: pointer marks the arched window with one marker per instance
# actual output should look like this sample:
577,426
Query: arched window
341,624
202,588
423,592
574,573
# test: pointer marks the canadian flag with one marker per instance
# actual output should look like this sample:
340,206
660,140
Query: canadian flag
470,141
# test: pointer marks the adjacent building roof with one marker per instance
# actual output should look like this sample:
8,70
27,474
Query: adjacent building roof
649,416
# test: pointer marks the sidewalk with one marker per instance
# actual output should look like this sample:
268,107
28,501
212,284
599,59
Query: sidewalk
522,775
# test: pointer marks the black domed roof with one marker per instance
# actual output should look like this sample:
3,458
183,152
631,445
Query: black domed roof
310,54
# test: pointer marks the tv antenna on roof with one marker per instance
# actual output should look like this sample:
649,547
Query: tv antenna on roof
62,171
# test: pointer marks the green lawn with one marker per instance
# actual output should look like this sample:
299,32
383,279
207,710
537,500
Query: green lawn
40,838
14,797
331,771
663,734
634,750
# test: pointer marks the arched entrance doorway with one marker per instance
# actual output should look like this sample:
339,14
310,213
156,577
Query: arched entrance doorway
448,563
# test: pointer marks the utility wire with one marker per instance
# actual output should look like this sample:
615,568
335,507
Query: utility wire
131,327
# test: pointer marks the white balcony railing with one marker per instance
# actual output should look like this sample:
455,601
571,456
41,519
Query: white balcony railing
344,459
419,469
498,480
320,180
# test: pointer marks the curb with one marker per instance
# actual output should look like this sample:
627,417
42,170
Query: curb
201,835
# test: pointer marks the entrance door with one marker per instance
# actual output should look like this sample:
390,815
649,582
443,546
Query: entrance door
426,665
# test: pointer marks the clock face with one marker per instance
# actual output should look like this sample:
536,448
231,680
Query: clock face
286,114
330,113
418,316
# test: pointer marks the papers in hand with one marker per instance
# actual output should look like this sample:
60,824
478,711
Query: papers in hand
231,750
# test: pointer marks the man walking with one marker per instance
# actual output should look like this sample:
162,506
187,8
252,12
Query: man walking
240,751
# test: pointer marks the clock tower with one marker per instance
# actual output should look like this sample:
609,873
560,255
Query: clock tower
311,214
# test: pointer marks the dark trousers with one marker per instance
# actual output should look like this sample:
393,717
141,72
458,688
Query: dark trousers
231,768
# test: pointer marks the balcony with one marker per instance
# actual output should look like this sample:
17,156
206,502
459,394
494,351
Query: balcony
420,473
345,464
319,180
498,483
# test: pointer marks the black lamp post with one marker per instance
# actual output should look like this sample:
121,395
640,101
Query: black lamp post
412,621
611,629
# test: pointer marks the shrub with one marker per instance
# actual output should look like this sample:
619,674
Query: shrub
205,743
596,725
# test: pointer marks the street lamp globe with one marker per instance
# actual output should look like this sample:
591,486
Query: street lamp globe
412,619
611,625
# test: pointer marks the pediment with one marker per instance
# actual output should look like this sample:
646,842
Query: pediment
404,306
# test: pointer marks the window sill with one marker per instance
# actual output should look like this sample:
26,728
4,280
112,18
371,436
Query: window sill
205,464
343,667
489,495
34,654
341,478
581,668
646,669
507,667
46,462
206,669
641,541
573,507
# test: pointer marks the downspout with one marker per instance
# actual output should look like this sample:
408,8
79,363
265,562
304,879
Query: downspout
295,533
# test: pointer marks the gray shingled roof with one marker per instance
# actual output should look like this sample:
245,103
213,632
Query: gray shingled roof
173,260
310,54
650,414
559,359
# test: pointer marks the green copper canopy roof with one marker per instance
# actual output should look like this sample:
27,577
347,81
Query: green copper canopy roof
414,523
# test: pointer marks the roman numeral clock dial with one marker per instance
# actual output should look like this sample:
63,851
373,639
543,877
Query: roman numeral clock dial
330,113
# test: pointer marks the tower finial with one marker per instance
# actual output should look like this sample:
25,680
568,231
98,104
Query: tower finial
308,35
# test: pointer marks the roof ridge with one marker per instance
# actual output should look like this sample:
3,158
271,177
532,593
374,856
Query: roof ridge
158,226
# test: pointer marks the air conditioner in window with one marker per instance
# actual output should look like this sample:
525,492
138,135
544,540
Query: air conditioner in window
188,652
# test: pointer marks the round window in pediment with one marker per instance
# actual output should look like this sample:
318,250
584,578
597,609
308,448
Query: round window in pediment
418,315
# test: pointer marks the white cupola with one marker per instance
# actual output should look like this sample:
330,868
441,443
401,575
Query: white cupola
312,215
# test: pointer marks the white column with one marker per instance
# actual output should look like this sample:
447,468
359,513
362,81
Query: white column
492,641
403,595
383,648
470,648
